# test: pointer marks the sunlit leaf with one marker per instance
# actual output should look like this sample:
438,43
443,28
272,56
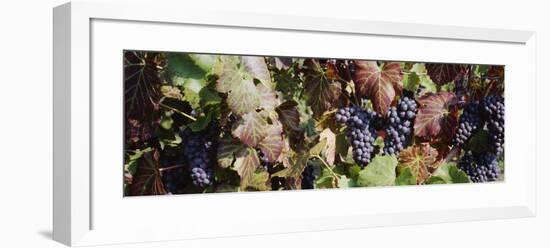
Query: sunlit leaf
257,68
405,177
379,172
251,129
329,150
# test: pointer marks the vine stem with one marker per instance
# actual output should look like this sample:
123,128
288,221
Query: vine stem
326,165
171,167
178,111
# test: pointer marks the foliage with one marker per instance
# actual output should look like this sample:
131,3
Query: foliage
275,123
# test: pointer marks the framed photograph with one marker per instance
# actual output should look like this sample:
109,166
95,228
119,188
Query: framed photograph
173,125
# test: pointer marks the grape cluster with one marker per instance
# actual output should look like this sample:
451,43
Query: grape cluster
400,120
493,111
469,122
359,131
173,179
200,149
480,167
308,176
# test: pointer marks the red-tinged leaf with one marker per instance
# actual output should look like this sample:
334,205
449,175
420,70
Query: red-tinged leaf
268,98
419,159
251,129
321,92
436,115
142,94
289,115
147,179
272,145
443,73
246,163
283,62
379,83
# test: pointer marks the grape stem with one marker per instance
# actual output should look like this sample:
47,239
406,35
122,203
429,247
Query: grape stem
326,165
178,111
171,167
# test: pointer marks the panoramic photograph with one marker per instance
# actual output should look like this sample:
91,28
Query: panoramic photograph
214,123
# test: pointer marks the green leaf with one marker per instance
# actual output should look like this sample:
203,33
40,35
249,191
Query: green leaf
191,90
204,61
405,177
345,182
435,180
181,65
379,172
201,122
411,82
448,173
259,181
209,97
316,150
326,180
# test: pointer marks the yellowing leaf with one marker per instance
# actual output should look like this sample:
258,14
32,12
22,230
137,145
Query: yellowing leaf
251,129
418,159
246,163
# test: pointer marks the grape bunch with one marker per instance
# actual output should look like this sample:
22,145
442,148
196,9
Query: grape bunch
359,131
173,179
400,120
469,122
493,111
480,167
308,176
199,149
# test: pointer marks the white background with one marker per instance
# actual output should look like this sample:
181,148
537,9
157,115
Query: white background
26,124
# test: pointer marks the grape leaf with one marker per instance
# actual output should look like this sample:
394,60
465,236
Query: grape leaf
269,99
226,151
246,163
418,159
448,173
209,97
259,181
321,92
181,65
257,68
411,82
142,94
379,172
329,150
405,177
443,73
204,61
283,62
251,129
288,115
147,179
436,115
191,90
326,180
379,83
243,98
272,145
201,122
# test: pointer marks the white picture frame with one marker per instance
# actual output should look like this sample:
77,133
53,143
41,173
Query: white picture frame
81,29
